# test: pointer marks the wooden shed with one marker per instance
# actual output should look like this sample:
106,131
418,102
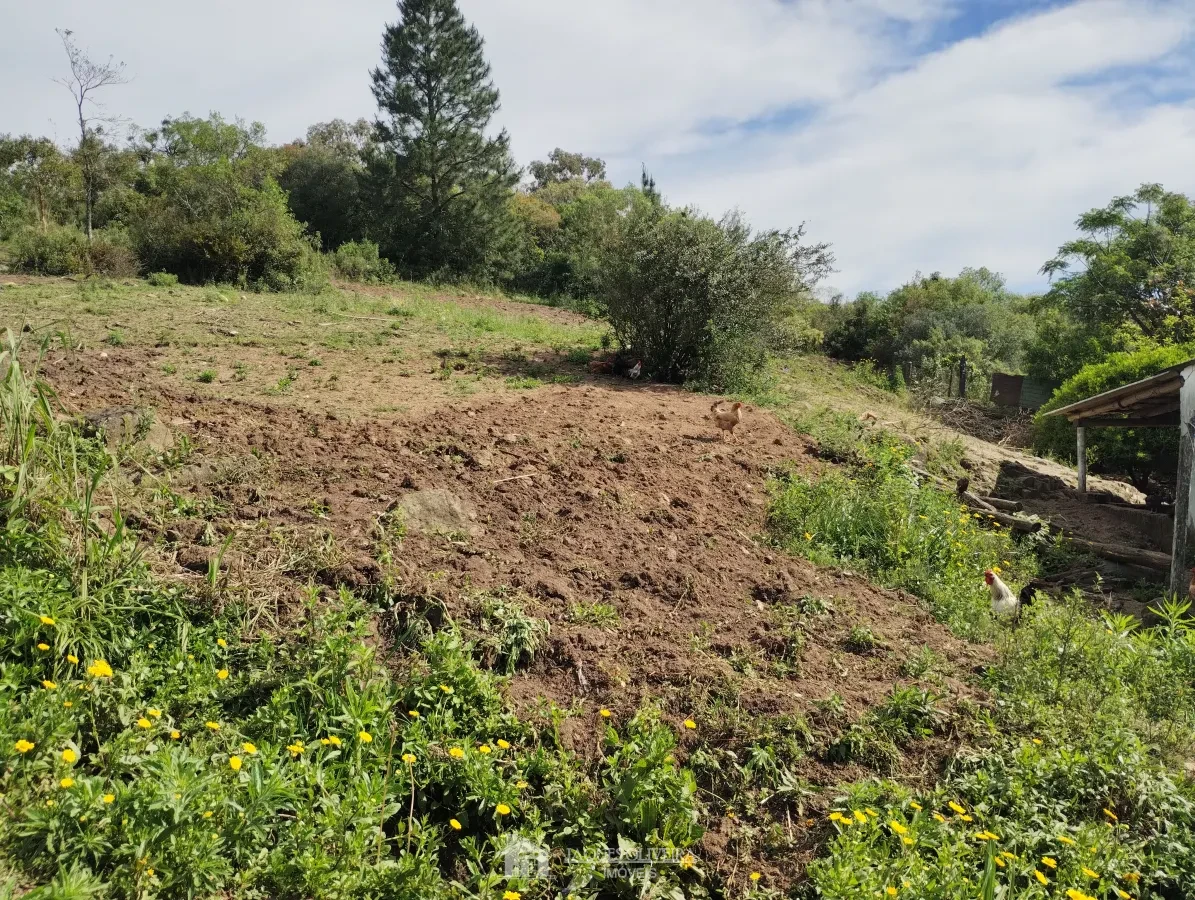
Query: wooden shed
1164,400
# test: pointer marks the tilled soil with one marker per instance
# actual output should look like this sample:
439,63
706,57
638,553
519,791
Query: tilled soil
601,492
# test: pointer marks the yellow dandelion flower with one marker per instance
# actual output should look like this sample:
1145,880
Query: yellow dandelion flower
43,646
1123,895
859,815
1037,741
154,713
808,536
890,891
1001,863
690,724
871,812
1040,877
898,827
687,861
222,674
175,734
67,783
1049,861
502,745
46,620
24,746
446,689
502,809
522,786
966,818
939,817
908,841
220,642
69,756
915,805
954,806
1111,815
296,749
249,748
409,758
364,737
413,713
71,658
49,685
334,740
456,826
484,748
207,814
66,704
51,803
234,763
456,753
1134,877
512,895
836,816
214,726
144,723
995,569
109,798
1089,873
1008,855
604,713
1066,840
755,876
100,669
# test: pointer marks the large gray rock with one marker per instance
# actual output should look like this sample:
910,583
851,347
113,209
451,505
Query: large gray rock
438,511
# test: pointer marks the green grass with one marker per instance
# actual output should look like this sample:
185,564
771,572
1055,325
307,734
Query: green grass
874,513
1077,788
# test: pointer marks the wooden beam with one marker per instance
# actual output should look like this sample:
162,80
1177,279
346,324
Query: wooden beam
1164,420
1151,559
1081,441
1179,577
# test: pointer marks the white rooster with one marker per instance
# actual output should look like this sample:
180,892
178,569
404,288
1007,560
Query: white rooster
1004,601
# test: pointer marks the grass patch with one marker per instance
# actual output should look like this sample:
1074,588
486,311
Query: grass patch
875,514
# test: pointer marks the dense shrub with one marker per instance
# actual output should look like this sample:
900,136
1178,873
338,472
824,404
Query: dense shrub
1134,452
360,261
66,251
700,300
54,251
162,279
206,226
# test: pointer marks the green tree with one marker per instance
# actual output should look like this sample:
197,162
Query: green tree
562,166
442,186
210,208
46,181
322,180
1136,265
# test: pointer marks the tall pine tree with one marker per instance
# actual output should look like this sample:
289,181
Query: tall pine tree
441,187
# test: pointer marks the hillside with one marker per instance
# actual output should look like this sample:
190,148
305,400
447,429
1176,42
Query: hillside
434,462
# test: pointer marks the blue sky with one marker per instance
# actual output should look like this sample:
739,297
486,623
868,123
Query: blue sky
915,135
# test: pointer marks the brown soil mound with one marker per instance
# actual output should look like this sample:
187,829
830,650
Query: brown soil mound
600,492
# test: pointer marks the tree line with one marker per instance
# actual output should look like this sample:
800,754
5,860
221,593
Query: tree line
426,190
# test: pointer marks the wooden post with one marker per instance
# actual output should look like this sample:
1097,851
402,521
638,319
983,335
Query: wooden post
1179,577
962,377
1081,441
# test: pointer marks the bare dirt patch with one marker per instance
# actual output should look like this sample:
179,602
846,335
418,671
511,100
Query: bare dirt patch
596,493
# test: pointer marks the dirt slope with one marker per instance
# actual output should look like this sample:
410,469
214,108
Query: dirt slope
596,492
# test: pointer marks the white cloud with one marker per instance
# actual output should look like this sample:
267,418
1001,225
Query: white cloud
982,153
